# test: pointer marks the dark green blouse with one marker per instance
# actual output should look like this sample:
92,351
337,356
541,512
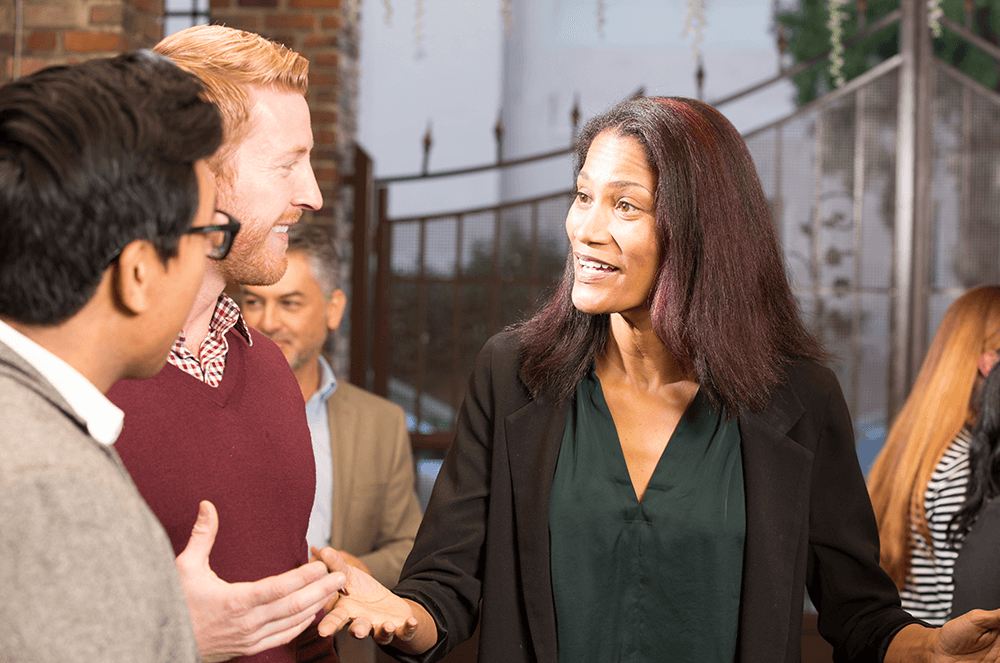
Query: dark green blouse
657,580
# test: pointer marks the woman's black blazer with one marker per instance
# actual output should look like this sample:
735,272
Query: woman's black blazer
484,539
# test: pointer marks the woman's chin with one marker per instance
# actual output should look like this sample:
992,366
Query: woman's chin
589,305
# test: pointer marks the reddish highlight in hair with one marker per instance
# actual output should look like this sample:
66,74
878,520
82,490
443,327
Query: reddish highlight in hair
721,303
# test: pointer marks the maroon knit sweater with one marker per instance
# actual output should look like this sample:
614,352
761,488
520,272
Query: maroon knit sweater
245,447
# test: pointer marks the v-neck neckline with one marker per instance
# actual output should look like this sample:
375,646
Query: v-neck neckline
622,475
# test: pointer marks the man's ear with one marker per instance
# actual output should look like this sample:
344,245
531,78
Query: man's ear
137,267
335,309
986,362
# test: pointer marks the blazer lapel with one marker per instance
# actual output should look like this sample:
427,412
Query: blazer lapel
343,423
534,434
776,475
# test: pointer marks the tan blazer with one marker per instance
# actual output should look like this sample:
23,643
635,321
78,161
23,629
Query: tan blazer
375,508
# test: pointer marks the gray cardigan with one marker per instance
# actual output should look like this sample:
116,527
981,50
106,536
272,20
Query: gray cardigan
86,570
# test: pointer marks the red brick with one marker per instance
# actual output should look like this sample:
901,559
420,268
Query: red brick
324,137
7,43
52,16
151,6
324,155
42,41
241,21
270,4
326,59
314,4
219,4
92,42
323,117
291,21
104,14
319,39
288,40
332,22
143,29
319,78
30,65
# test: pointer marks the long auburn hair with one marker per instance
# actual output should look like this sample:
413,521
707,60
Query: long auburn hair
721,303
943,400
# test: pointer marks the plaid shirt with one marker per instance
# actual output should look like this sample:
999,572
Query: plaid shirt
210,367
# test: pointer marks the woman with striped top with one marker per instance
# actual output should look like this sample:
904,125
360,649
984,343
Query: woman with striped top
918,481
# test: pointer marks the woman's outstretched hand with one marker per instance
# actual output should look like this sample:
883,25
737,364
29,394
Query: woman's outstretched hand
365,607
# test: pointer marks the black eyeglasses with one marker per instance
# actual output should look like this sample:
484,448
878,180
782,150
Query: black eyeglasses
220,236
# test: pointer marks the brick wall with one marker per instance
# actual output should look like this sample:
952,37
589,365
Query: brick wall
326,33
71,31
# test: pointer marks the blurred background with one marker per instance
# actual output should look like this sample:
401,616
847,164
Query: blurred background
443,133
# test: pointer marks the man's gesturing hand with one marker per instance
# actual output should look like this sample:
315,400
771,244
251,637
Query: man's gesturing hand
239,619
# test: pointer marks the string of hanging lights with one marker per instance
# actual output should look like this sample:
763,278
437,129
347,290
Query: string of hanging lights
694,25
835,20
836,15
418,31
507,10
934,14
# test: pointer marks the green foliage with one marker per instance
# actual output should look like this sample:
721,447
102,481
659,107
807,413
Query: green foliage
809,37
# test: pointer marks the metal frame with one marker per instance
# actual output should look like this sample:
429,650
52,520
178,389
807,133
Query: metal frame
912,261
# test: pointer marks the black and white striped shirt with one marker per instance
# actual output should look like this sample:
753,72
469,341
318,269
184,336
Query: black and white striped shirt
929,587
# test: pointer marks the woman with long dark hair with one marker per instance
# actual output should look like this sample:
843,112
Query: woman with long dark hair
975,528
655,466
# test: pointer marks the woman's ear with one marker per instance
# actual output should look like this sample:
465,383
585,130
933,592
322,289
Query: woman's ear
986,362
137,267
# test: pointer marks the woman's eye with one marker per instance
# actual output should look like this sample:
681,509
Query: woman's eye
582,197
626,206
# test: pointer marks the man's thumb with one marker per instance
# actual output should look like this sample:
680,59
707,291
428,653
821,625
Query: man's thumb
203,533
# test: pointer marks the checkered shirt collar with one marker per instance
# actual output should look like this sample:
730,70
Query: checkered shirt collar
210,366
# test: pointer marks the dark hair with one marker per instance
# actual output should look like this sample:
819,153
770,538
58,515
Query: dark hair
316,241
984,460
92,157
721,303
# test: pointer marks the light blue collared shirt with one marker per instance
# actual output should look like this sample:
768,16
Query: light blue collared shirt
321,518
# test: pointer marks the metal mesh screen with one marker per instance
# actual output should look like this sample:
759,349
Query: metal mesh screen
829,174
456,280
965,188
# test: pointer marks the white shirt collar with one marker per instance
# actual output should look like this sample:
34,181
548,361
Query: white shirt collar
103,419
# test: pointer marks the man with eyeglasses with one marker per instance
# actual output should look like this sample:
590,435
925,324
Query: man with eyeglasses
224,420
106,217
